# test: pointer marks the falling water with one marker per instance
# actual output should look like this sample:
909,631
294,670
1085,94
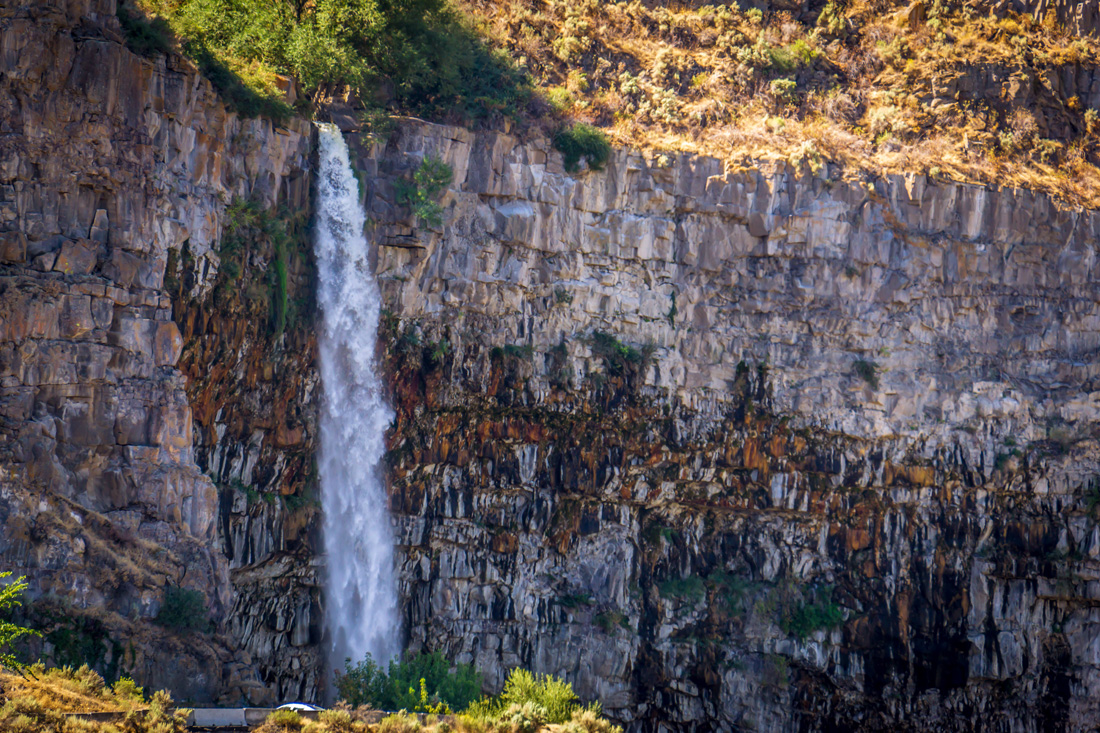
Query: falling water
361,600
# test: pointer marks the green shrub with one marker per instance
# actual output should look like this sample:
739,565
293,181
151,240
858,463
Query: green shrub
867,371
337,720
548,693
126,690
144,36
619,358
422,193
184,609
785,90
525,718
431,57
691,588
573,600
248,100
9,632
279,287
731,590
401,722
585,141
609,621
283,721
806,618
400,687
1092,495
587,721
248,227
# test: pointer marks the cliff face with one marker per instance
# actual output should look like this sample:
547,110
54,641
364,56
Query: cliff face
758,448
117,474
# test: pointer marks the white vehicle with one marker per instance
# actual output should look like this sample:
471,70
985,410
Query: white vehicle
301,707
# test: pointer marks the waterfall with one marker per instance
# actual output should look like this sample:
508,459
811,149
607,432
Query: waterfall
361,599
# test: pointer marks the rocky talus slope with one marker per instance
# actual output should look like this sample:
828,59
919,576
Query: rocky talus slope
122,468
746,449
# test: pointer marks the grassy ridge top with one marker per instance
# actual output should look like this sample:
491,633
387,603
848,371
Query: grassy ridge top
943,87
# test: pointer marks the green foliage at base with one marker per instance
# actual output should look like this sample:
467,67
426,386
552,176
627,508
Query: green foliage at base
79,640
127,689
583,141
555,700
286,719
10,597
184,609
415,682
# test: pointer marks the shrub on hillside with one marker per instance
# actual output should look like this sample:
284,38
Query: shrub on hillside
583,141
184,609
526,694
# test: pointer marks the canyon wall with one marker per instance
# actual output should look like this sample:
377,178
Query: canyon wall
138,415
765,448
761,449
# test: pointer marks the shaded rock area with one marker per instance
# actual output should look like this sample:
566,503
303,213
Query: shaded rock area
1076,16
118,476
745,449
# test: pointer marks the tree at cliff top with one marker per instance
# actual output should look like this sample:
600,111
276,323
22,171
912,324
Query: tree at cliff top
420,53
9,632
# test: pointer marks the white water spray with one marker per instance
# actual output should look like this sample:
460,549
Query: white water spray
361,601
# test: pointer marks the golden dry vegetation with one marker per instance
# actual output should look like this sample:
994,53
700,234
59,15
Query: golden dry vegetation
517,719
943,87
38,701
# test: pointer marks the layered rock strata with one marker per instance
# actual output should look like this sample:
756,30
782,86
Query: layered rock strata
111,166
746,449
759,449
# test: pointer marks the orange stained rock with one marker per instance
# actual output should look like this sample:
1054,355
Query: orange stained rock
857,538
751,457
777,446
505,542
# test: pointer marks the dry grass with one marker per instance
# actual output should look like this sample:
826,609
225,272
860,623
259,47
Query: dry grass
38,702
64,690
954,92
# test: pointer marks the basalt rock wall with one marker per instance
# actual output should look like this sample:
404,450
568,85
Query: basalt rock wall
119,476
759,449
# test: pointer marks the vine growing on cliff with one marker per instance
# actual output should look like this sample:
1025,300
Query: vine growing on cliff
422,194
